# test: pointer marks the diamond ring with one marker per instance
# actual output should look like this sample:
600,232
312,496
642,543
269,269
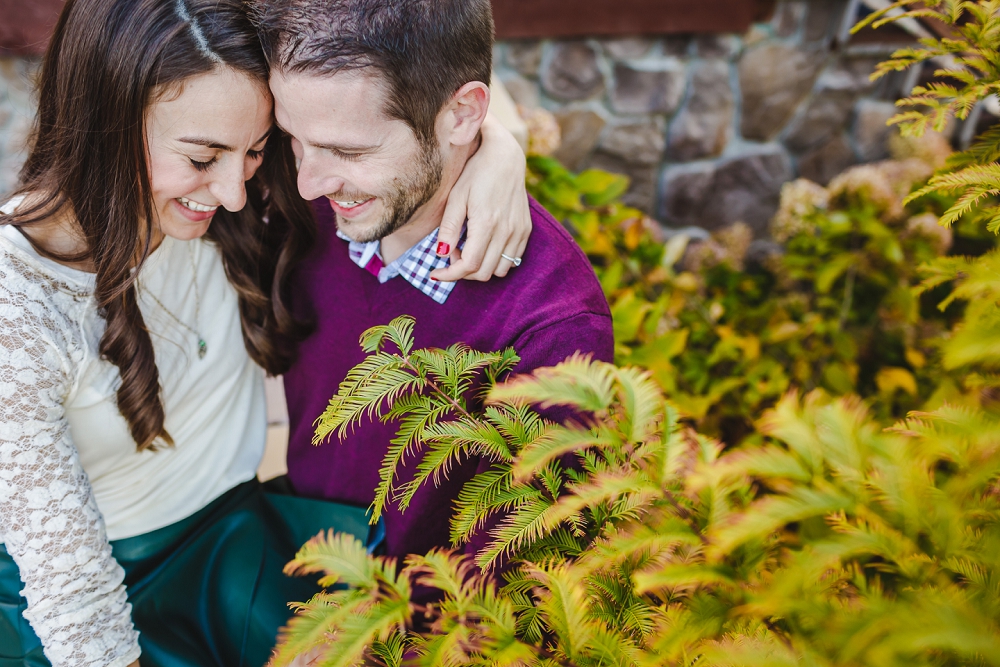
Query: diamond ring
516,261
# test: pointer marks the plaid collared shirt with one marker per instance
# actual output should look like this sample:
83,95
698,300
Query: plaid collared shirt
415,265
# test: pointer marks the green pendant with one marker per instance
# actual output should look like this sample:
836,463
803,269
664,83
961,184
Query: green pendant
202,348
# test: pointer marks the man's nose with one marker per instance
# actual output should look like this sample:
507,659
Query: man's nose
229,188
316,180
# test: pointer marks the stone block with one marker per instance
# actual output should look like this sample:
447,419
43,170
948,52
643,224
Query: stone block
627,47
642,187
580,130
572,72
823,163
718,46
871,134
853,76
525,56
639,143
644,89
522,91
788,17
825,115
755,35
747,188
686,190
703,127
774,79
823,19
676,45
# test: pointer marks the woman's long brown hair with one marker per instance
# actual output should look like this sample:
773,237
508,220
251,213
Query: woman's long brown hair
107,62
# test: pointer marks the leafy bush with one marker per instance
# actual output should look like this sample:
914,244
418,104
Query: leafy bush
833,308
824,540
833,543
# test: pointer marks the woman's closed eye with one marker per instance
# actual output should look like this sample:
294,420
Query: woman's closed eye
204,166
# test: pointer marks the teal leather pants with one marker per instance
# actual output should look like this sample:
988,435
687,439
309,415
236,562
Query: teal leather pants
207,591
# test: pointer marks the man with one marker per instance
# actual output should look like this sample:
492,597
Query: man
384,100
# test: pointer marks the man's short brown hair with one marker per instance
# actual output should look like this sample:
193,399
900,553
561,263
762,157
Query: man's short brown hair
424,49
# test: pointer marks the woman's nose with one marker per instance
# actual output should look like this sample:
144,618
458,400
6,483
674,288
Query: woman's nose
229,187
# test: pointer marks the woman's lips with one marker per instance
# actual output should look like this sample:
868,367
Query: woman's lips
193,216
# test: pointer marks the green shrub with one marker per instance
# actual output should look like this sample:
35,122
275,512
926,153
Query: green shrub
825,539
833,543
835,309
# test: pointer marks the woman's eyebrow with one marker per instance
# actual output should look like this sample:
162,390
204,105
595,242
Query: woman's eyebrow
209,143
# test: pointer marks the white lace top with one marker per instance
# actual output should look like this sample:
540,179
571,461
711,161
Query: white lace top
70,475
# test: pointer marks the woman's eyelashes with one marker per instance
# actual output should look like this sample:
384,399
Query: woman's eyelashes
203,166
206,165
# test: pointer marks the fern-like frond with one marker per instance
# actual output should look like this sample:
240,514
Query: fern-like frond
359,630
314,623
557,443
390,651
578,382
399,332
341,557
769,515
524,524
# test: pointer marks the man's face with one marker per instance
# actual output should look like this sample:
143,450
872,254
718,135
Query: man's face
372,168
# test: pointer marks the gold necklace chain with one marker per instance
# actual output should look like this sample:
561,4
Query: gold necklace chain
202,345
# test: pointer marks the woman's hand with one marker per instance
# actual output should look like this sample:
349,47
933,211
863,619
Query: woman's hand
491,195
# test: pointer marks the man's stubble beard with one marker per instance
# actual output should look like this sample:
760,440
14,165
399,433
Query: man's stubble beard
411,191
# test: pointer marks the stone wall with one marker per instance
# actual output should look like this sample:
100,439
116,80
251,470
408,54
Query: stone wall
17,110
710,127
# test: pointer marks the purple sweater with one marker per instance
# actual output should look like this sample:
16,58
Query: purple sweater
547,309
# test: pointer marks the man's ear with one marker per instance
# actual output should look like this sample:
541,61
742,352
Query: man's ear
466,112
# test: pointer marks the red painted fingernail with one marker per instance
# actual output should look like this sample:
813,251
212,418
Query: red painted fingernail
434,279
443,249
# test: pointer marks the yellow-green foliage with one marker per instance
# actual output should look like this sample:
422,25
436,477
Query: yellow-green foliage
971,70
836,309
833,542
825,541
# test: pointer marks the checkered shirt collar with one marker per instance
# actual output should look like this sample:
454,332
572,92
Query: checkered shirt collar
415,265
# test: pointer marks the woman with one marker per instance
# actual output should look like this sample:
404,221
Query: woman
141,292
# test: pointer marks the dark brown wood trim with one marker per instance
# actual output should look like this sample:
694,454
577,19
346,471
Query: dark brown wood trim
584,18
25,24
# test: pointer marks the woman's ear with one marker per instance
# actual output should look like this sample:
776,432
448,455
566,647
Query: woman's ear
466,112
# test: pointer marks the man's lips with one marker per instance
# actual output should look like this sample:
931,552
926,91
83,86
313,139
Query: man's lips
351,211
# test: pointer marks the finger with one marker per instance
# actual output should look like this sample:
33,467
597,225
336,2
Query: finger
471,258
452,273
452,223
492,261
515,246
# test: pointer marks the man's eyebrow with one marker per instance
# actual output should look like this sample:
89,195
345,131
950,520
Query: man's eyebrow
209,143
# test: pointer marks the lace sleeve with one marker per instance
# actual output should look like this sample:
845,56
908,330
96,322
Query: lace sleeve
50,522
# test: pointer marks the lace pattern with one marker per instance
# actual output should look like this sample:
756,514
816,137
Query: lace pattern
49,520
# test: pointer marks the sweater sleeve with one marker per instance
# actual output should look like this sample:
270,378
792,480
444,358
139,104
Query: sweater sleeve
49,520
586,332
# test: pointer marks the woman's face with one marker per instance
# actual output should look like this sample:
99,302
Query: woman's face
204,143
